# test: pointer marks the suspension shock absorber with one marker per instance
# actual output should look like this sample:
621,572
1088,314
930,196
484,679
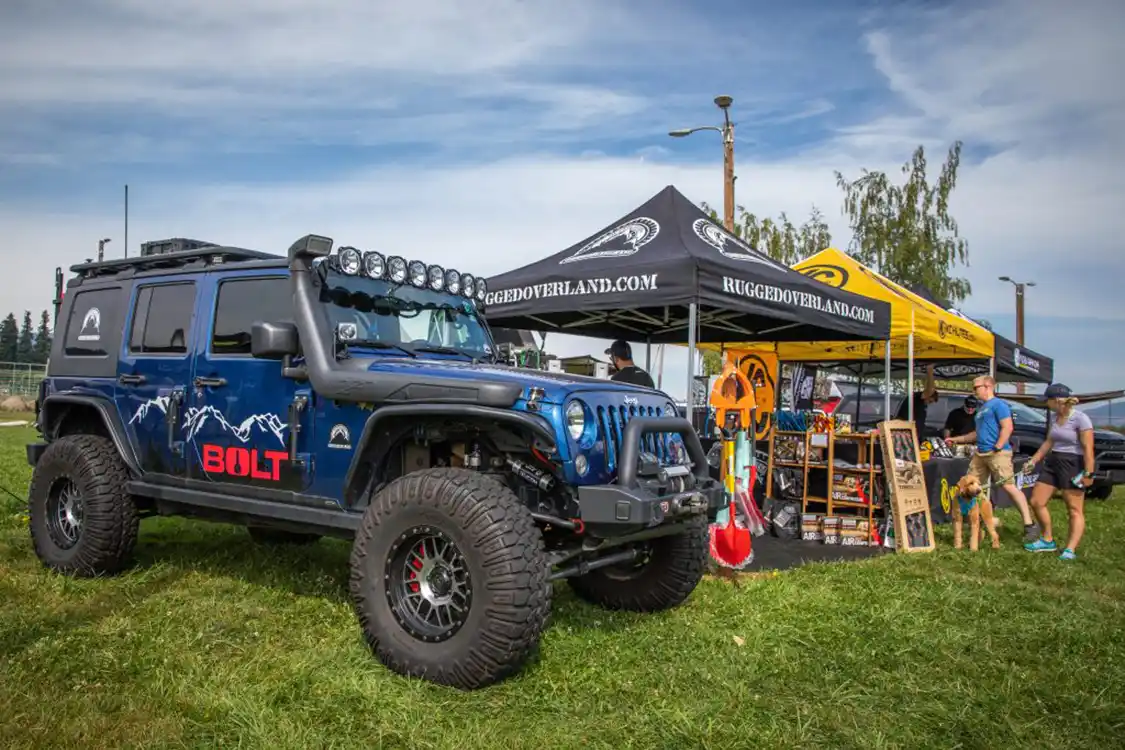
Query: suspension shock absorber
530,474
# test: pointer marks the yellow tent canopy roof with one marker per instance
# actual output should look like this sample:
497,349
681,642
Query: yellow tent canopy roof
938,333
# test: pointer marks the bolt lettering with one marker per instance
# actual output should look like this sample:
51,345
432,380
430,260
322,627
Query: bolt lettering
237,461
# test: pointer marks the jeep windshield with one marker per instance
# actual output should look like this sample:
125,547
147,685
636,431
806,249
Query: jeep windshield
399,317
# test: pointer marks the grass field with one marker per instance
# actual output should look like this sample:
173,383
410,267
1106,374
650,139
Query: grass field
213,642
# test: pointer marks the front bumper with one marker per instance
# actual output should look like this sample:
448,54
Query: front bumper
613,505
660,495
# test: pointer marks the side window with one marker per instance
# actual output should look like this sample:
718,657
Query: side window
91,324
162,319
243,302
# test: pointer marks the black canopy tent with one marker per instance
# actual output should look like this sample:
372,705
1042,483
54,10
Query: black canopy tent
666,267
1011,363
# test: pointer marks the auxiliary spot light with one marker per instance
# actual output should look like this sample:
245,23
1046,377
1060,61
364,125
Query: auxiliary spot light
396,269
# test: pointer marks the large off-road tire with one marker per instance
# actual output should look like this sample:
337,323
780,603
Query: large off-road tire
264,535
663,577
449,578
83,523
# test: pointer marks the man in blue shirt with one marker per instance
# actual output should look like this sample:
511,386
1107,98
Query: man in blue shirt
993,459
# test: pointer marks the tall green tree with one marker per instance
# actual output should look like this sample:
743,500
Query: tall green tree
780,239
9,339
43,338
905,231
26,340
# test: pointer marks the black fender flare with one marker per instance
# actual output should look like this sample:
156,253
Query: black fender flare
373,444
110,418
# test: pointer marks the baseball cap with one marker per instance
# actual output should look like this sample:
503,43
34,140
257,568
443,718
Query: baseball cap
1057,390
620,349
972,402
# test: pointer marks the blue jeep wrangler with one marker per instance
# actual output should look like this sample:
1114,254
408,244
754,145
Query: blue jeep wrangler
356,395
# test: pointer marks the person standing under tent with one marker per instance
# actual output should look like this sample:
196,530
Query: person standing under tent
960,420
1069,453
621,354
993,459
922,400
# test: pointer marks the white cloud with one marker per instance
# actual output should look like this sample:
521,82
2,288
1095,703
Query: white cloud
1032,84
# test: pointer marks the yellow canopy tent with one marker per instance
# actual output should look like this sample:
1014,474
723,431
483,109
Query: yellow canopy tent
920,330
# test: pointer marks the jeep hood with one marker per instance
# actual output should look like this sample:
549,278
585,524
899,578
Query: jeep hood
555,385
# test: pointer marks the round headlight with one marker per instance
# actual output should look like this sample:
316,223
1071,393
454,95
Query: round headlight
482,289
436,277
350,260
452,281
396,269
374,265
417,272
468,285
575,419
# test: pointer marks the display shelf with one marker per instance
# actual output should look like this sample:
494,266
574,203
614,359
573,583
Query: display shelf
816,452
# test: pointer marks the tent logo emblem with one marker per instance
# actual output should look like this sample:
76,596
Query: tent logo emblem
1023,361
621,241
833,276
728,245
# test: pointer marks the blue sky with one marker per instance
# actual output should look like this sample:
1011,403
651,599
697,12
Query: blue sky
505,130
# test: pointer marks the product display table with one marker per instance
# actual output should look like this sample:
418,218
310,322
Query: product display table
942,475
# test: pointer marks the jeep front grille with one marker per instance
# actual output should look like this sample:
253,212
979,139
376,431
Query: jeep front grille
611,429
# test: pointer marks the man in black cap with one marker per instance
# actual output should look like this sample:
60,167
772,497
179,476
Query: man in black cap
621,355
961,420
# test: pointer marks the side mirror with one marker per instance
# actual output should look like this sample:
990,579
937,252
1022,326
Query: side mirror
273,340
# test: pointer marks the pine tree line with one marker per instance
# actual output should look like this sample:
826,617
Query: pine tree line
22,344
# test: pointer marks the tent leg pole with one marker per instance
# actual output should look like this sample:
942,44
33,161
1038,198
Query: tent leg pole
886,379
992,366
691,353
910,381
648,354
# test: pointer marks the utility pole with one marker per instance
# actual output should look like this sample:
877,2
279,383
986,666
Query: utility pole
1021,288
723,102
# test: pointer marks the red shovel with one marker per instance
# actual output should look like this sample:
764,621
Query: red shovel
731,544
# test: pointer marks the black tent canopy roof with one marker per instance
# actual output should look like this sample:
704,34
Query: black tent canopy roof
636,278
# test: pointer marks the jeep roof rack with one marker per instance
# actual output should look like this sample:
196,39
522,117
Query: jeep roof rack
205,255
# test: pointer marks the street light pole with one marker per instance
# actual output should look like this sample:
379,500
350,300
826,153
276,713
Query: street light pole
723,102
101,248
1021,288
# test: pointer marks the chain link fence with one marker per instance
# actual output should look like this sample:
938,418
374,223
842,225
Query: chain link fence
20,379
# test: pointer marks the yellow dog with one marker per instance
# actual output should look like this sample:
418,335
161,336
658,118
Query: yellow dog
973,502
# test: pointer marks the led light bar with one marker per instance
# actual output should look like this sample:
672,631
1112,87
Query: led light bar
399,270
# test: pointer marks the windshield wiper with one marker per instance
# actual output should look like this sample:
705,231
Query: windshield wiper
435,349
373,344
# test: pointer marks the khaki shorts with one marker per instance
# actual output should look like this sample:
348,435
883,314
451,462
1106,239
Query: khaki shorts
997,466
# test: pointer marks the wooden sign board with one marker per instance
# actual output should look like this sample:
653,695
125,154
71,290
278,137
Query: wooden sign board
910,505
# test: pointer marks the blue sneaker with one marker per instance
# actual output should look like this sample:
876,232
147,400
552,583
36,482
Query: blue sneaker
1068,554
1040,545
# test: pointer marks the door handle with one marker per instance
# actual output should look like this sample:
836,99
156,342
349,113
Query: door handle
131,379
209,382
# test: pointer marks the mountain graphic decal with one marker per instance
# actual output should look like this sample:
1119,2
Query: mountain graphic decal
195,418
339,437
